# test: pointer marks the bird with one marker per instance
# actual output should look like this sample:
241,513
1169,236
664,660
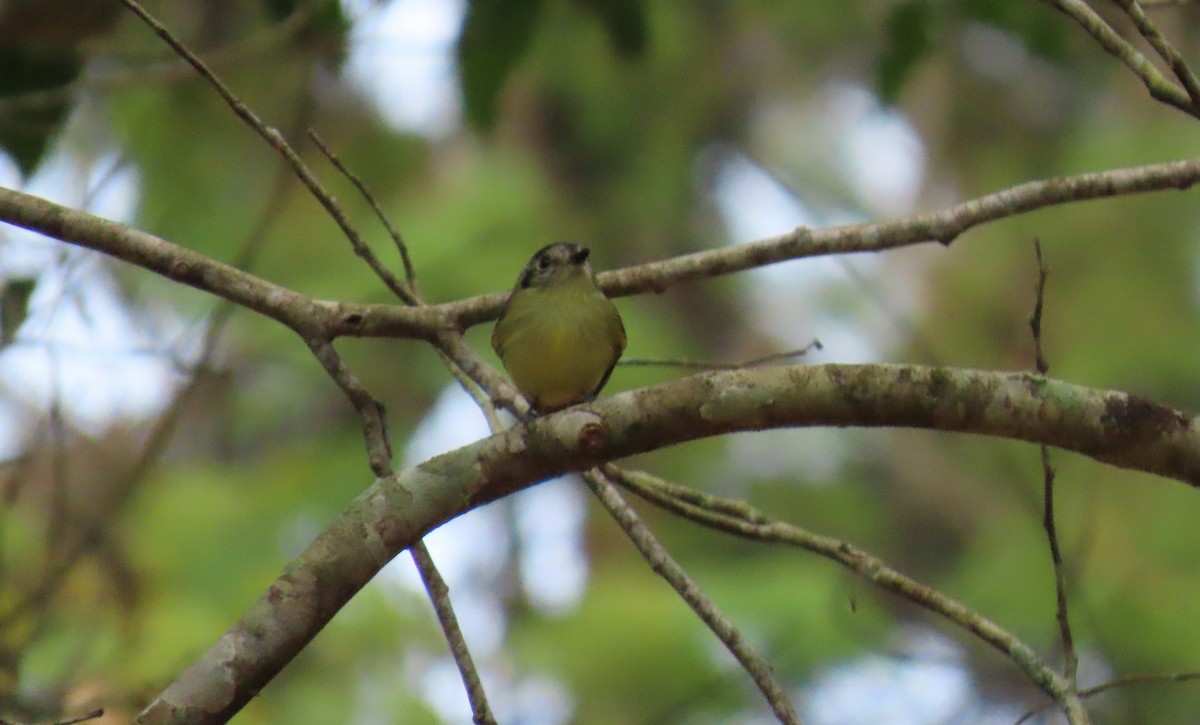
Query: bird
558,336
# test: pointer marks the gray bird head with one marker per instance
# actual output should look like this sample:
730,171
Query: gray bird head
555,263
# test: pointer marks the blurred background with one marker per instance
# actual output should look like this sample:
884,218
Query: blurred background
164,456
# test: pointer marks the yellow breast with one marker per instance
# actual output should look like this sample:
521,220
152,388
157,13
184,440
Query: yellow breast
559,344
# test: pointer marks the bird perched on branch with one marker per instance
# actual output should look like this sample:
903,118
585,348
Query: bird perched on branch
558,336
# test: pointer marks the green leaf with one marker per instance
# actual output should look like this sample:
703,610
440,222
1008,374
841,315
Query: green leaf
624,21
1025,21
26,129
325,28
280,9
14,307
908,39
495,36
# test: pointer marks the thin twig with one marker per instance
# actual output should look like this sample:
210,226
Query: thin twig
435,586
665,566
708,365
498,388
370,411
462,362
409,273
1072,704
473,389
1144,679
99,712
471,372
162,431
913,335
273,138
1164,48
1160,87
137,69
439,594
743,520
1035,320
379,453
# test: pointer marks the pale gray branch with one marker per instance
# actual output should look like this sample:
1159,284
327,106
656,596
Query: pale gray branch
396,511
664,565
1165,49
332,319
1160,87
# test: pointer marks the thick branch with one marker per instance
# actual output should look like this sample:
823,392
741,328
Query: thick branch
396,511
333,319
310,317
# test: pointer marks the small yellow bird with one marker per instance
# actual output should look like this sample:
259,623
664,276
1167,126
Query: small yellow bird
558,336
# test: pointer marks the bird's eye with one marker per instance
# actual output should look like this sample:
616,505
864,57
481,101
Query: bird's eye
543,262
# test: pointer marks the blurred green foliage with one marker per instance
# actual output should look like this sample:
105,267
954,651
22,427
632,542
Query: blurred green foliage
612,124
495,36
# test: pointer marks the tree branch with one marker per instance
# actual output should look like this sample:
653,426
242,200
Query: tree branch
1160,87
410,292
1164,48
439,594
1070,700
333,319
399,509
276,141
664,565
743,520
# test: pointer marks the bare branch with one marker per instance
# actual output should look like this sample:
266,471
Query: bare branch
410,274
786,355
942,226
1160,87
69,721
741,519
268,134
1035,320
1119,683
333,319
397,510
439,594
1070,701
665,566
369,410
1163,47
